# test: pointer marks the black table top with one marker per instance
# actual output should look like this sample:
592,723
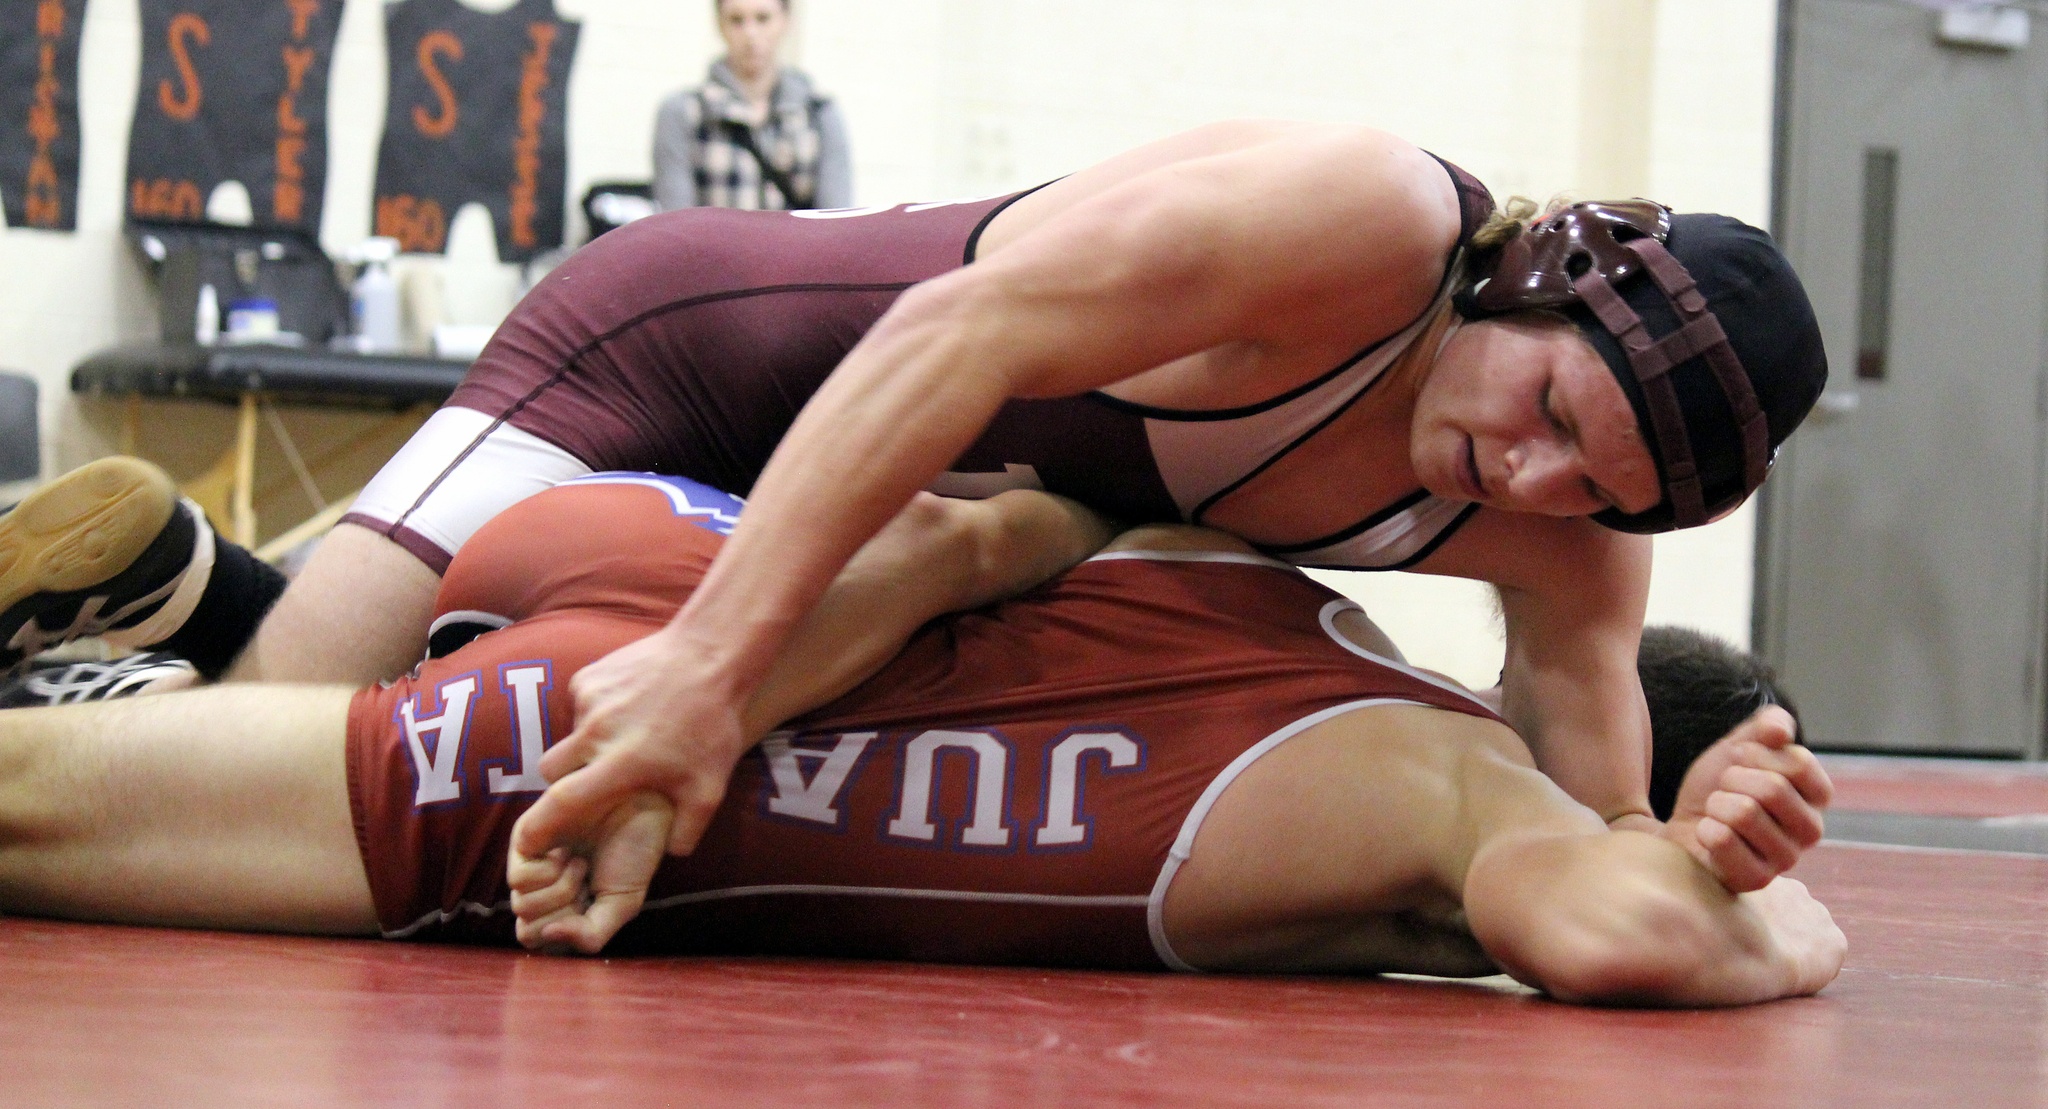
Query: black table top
297,374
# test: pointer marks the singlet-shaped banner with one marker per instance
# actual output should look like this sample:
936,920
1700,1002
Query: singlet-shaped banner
478,112
233,90
39,112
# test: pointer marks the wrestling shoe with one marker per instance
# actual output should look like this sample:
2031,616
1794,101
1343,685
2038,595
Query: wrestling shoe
106,550
65,683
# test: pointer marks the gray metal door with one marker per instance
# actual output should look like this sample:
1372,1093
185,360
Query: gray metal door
1901,595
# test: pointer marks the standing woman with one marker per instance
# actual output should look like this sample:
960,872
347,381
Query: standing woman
755,134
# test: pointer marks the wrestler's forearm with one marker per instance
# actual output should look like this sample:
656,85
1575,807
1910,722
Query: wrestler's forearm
1585,721
864,445
937,556
1569,684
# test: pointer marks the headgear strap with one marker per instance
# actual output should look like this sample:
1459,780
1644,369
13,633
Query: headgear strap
1609,242
1699,335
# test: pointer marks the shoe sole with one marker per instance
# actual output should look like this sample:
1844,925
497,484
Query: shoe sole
83,528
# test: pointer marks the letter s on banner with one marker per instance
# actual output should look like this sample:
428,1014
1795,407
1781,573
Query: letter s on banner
433,45
183,104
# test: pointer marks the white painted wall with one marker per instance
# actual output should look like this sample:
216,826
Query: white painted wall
957,97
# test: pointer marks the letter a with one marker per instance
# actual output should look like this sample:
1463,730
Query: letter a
817,799
436,772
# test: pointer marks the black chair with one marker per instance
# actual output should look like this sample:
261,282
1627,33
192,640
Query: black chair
20,445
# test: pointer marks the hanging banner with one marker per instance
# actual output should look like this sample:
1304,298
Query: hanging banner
478,111
233,90
39,112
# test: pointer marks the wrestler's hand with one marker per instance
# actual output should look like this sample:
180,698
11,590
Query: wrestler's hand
629,738
1752,803
577,899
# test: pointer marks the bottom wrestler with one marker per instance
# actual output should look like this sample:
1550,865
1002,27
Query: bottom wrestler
1178,757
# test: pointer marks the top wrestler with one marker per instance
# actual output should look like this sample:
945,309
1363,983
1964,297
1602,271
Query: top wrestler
1319,338
1180,754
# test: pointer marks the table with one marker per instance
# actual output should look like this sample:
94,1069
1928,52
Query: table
254,377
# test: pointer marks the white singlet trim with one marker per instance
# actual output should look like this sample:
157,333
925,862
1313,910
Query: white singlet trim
184,600
1116,901
1238,557
1328,619
468,616
1200,458
1184,844
461,468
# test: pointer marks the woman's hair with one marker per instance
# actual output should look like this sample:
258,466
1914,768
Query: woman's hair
1699,688
718,6
1508,221
1483,250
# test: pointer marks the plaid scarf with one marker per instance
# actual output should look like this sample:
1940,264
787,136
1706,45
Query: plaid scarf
786,135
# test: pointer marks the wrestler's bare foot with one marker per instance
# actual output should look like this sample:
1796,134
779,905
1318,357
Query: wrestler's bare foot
357,613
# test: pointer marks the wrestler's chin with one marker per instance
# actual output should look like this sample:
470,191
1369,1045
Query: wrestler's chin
1437,466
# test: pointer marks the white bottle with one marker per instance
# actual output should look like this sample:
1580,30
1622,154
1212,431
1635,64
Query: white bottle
206,317
373,299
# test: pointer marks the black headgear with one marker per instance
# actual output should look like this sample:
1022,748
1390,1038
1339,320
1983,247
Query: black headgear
1700,318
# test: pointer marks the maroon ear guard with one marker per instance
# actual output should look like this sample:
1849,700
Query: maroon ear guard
1694,391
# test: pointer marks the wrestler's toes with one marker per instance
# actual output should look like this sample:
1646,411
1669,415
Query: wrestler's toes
1756,825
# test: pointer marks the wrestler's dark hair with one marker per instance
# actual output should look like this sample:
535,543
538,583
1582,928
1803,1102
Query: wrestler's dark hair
718,7
1699,688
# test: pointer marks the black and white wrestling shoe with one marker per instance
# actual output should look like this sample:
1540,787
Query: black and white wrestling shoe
65,683
107,550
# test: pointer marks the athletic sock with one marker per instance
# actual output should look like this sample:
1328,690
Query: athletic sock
238,595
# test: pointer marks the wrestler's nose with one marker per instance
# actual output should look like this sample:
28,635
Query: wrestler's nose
1543,475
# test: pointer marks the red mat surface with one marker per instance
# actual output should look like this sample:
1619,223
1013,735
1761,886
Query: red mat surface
1938,787
1944,1003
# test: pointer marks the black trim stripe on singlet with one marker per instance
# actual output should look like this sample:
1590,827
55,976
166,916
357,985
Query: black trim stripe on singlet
1195,516
1469,220
1442,537
574,358
974,236
1282,550
1192,416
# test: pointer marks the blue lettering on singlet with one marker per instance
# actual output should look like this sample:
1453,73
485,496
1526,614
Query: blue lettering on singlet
711,509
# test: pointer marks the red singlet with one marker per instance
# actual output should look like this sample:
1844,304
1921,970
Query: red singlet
1009,790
